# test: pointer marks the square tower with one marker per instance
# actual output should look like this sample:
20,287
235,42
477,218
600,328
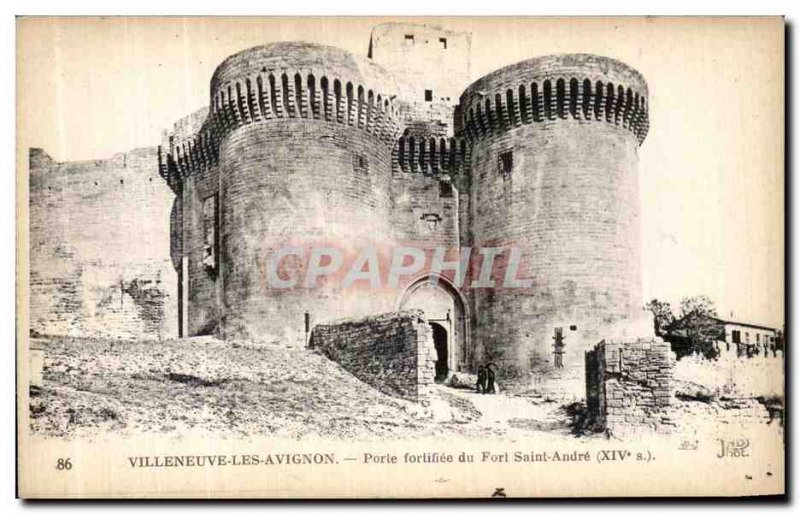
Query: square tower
433,60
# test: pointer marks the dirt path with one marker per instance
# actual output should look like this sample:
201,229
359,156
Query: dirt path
513,413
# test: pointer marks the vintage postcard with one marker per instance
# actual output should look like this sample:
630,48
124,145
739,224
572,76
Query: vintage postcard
400,257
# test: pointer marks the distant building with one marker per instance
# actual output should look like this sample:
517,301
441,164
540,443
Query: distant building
748,339
729,337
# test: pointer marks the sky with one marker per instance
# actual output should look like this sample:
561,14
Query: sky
711,168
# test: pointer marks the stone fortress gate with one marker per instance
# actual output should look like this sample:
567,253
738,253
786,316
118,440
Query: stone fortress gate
304,148
306,145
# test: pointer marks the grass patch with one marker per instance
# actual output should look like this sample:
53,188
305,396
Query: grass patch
580,423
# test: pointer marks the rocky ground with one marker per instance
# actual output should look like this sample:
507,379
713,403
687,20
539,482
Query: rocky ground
206,386
695,404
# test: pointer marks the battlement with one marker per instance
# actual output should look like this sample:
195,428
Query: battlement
184,157
287,81
574,86
302,80
430,155
268,96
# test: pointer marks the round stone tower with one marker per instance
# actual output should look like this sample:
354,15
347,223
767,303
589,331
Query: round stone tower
306,134
553,155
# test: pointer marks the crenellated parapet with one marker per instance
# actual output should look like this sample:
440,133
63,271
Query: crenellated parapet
547,89
304,94
282,82
179,159
297,80
430,155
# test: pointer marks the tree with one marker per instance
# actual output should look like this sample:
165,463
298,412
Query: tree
700,327
700,305
662,315
695,330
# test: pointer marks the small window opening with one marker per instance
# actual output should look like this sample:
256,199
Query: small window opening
210,236
505,162
443,41
360,162
445,189
409,38
428,95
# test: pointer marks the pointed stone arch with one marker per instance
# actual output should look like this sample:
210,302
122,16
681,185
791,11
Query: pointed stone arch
460,349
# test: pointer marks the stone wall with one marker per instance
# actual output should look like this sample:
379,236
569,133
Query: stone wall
293,182
99,248
629,385
298,148
553,172
392,352
734,377
425,211
203,287
428,57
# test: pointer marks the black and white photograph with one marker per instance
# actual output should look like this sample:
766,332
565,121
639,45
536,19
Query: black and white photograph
400,257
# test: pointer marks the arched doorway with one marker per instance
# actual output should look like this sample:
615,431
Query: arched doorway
441,343
445,308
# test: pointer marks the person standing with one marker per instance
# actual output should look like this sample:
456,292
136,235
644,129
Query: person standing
490,376
481,385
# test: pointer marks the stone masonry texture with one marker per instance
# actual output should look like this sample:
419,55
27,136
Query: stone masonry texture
308,145
392,352
568,198
99,253
629,385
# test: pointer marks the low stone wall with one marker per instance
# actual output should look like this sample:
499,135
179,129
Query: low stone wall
392,352
734,377
629,385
